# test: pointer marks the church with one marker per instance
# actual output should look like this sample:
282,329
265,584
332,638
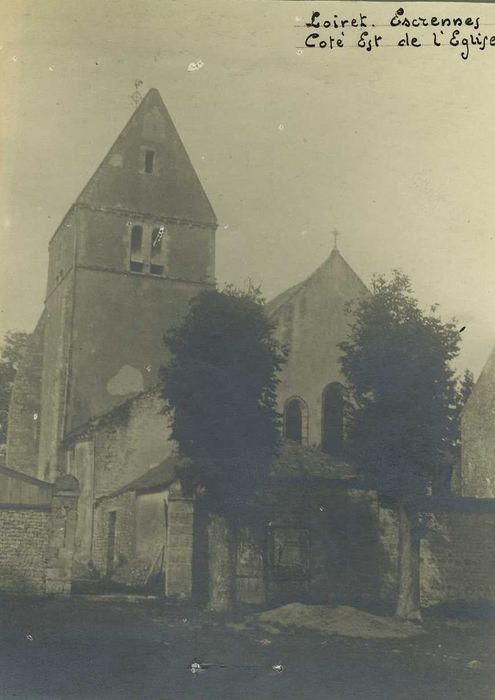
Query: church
90,467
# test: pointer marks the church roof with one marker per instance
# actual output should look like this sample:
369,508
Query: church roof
299,461
335,269
173,190
482,397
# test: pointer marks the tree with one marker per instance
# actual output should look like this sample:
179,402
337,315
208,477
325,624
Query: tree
464,387
14,345
442,484
220,388
402,409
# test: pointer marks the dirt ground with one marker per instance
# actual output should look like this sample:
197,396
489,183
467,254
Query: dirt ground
93,650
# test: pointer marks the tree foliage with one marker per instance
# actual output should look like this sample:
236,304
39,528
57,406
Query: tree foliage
403,409
220,387
14,345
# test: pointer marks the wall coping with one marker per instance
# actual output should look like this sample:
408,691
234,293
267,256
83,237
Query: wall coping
21,476
26,506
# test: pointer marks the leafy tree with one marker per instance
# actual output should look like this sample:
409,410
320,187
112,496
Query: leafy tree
220,387
14,345
442,484
465,386
402,409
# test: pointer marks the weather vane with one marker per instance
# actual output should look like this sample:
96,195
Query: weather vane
136,97
335,235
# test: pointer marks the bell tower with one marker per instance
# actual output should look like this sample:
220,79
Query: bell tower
134,248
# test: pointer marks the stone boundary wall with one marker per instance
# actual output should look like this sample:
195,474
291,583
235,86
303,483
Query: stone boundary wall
37,542
24,535
457,552
458,558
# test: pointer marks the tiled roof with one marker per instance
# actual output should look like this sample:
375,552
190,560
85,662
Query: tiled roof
160,476
297,460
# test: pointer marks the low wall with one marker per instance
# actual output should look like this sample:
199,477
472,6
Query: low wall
458,557
37,539
24,537
457,552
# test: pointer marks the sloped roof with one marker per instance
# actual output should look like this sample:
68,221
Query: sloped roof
482,397
333,266
172,191
298,461
160,476
20,476
294,461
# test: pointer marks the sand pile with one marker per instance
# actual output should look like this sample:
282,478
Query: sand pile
342,620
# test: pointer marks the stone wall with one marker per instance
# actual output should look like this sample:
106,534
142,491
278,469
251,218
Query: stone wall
477,472
457,553
152,535
130,443
388,535
123,547
81,466
351,544
25,407
37,541
128,315
179,554
458,557
322,543
54,387
313,330
151,526
113,452
24,535
61,541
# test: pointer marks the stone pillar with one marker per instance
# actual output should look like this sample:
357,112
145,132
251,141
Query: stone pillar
178,571
62,535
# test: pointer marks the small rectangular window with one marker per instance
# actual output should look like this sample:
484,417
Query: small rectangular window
156,269
149,157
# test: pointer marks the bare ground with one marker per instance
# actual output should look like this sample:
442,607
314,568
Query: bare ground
93,650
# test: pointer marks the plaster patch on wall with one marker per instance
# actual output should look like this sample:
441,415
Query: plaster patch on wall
117,160
128,380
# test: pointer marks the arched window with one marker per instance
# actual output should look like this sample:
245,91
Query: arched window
156,253
332,419
137,260
296,420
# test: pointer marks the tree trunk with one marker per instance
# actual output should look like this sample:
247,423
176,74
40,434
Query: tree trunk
408,603
221,562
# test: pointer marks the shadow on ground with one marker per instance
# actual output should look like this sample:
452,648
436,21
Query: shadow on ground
86,649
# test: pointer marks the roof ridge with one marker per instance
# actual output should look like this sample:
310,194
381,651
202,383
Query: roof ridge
287,295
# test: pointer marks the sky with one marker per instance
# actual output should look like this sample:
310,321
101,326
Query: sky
394,147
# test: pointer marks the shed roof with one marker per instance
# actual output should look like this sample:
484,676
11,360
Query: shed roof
159,476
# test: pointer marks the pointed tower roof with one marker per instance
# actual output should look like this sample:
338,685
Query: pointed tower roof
334,276
172,190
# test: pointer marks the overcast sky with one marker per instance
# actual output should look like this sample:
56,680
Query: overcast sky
395,148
